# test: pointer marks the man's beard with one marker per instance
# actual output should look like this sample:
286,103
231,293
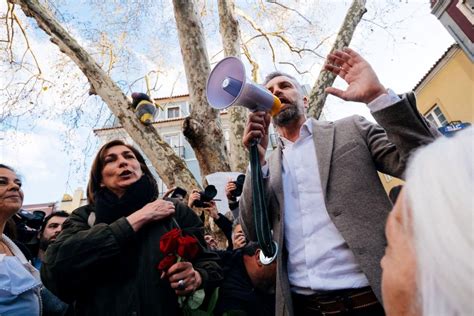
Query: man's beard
44,243
287,115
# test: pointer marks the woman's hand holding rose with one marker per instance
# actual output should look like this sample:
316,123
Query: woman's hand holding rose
191,279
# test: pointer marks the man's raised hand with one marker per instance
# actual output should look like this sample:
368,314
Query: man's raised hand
364,86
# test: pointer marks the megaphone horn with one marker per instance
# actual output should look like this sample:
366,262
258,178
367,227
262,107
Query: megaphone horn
228,85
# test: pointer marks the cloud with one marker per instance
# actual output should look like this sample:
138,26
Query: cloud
40,158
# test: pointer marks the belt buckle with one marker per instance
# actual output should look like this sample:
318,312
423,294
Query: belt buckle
346,302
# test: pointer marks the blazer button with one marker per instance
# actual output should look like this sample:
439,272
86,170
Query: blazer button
336,213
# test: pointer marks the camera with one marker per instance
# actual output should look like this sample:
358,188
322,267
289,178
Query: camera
28,224
179,193
239,185
207,196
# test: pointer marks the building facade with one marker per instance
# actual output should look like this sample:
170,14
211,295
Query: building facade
47,208
445,94
70,203
457,16
168,122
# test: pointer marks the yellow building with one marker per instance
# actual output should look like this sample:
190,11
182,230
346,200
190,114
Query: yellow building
70,203
445,94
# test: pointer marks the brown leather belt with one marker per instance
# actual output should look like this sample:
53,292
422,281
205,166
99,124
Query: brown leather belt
336,302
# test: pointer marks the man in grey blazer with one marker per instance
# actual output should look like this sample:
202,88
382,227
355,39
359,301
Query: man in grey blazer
326,204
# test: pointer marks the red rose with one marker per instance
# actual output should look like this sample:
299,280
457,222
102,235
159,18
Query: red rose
169,241
188,247
167,262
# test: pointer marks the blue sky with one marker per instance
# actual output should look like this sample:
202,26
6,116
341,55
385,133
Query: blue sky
53,150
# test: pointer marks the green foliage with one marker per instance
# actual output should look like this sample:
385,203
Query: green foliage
195,300
192,303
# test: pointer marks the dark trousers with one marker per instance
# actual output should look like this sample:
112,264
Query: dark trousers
352,302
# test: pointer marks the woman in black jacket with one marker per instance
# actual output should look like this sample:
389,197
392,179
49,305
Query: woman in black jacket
105,259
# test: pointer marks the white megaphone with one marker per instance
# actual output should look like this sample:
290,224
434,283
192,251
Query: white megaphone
228,85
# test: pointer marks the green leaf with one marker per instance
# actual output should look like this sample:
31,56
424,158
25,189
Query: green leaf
181,300
213,300
196,299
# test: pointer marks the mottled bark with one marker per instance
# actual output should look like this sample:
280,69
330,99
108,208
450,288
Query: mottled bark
318,96
230,33
171,168
203,128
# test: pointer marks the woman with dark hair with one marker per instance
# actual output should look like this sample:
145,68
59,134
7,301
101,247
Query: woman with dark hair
20,285
105,258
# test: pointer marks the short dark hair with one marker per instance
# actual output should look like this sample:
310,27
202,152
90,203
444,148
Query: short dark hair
53,214
2,166
95,177
277,73
250,248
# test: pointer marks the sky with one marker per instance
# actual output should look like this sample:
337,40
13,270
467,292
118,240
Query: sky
54,158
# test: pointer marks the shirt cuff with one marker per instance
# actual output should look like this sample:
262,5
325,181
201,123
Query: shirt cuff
383,101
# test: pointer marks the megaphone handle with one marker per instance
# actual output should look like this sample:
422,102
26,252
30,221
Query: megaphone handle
255,141
260,214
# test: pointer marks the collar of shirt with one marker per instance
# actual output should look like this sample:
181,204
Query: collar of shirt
305,131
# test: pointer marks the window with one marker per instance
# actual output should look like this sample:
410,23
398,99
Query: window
173,112
436,117
467,9
174,141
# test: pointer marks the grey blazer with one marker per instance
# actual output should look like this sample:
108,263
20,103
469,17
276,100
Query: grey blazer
349,153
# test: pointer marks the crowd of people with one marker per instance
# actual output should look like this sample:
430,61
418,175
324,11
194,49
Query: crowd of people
344,248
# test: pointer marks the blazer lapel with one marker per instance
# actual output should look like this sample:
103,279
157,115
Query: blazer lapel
323,137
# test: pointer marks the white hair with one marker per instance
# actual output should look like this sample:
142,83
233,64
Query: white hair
439,191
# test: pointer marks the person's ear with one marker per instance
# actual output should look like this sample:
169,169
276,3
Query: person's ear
257,257
305,102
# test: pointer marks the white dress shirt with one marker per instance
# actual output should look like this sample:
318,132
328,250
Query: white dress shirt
318,256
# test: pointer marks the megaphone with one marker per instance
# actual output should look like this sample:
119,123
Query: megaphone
228,85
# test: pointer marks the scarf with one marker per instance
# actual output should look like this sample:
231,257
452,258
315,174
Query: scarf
109,207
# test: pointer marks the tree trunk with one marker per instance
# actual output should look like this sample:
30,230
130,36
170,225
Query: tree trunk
202,128
230,33
318,96
171,168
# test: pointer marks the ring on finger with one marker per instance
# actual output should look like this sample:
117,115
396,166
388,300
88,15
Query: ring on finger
181,285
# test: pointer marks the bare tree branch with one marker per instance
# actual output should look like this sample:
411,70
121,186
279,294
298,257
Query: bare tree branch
318,94
291,9
161,155
294,66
